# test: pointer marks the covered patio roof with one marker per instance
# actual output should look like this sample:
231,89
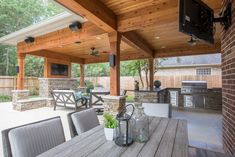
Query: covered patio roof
128,29
149,29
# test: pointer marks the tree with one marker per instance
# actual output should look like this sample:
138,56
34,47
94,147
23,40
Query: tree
136,67
15,15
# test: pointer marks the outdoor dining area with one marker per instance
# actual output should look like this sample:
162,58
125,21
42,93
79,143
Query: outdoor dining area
112,31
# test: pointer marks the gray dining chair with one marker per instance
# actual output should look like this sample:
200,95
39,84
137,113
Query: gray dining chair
84,120
32,139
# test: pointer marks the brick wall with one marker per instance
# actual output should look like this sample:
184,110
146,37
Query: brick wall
228,84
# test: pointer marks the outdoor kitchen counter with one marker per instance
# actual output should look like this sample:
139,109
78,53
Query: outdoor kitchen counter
168,138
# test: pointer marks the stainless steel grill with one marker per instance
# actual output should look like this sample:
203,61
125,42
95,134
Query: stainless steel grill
194,87
194,93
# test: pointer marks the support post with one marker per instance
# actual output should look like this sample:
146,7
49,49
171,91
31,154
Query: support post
20,76
115,40
82,75
151,73
45,68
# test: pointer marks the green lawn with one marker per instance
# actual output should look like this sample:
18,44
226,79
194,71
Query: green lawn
5,98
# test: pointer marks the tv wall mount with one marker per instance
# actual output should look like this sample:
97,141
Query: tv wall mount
225,18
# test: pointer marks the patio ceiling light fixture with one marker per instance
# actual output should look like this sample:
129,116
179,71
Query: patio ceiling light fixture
29,40
75,26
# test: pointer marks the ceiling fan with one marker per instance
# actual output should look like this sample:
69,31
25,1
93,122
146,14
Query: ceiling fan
94,52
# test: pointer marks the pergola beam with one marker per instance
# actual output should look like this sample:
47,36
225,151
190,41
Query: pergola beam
163,53
60,38
54,55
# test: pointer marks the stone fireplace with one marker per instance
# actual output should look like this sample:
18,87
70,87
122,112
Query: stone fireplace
47,85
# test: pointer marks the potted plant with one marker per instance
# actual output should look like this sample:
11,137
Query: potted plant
110,124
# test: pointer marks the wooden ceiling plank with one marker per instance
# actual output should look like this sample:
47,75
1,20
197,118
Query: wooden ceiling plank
94,11
54,55
197,50
60,38
160,13
136,41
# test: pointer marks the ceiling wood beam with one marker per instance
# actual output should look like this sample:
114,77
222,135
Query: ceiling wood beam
134,56
196,50
93,10
158,14
136,41
60,38
103,17
54,55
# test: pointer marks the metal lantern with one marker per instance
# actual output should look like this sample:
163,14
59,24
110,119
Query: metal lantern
124,129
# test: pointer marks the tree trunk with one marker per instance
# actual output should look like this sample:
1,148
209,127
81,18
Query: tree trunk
147,80
140,75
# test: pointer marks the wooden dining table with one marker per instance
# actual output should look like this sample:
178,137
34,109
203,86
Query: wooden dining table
168,138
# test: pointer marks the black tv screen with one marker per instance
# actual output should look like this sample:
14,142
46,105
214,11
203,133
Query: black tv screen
196,19
59,69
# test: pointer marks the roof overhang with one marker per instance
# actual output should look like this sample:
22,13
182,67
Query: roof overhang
50,25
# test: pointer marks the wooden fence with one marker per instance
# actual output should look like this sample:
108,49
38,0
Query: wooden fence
8,83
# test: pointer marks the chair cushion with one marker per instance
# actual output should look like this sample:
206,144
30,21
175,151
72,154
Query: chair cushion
34,139
85,120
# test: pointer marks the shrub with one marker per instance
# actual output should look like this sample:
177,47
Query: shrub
5,98
130,99
89,85
109,121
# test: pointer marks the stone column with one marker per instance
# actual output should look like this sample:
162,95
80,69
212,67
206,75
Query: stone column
18,95
114,104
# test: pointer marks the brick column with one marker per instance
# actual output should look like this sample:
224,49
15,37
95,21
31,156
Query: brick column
228,84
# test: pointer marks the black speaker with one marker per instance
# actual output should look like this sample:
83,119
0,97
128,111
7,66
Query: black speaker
112,60
29,40
75,26
17,69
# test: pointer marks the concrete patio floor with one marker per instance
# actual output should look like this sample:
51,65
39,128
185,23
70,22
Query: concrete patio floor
204,129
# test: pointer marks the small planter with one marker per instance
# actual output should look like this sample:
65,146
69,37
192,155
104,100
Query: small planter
109,133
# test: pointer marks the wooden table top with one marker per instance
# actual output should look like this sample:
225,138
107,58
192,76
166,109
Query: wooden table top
168,138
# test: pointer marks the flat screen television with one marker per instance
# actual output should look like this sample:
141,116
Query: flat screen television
196,19
59,69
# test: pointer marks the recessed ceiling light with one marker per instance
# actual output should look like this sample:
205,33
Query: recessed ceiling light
157,37
163,47
98,38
